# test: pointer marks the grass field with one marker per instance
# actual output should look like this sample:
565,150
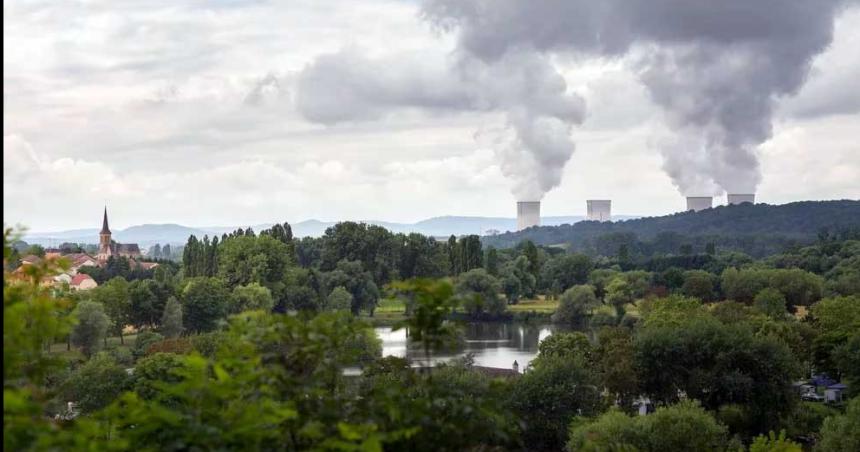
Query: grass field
61,347
537,305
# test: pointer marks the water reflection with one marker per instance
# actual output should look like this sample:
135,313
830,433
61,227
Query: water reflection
492,344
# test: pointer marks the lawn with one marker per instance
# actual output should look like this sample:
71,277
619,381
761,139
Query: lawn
537,305
61,347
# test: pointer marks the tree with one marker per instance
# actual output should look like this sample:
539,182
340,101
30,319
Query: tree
114,296
715,363
92,325
842,433
492,261
246,259
432,301
153,371
547,397
575,305
530,251
147,303
615,364
204,303
618,294
566,345
171,321
566,270
837,319
518,280
251,297
358,282
95,384
480,293
698,284
339,299
35,250
770,302
681,427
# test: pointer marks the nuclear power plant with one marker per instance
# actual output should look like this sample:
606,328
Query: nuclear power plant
599,210
740,199
528,214
697,203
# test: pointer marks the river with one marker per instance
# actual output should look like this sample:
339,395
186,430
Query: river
492,344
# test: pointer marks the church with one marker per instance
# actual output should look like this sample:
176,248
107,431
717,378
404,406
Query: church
108,247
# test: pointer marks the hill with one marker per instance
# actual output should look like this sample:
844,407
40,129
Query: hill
756,229
150,234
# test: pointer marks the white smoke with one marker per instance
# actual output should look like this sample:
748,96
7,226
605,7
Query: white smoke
539,112
715,67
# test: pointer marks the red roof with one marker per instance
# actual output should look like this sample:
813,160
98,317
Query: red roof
80,278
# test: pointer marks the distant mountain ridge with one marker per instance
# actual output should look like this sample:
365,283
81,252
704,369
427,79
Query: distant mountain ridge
150,234
797,222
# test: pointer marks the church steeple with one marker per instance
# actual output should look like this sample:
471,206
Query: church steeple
105,245
105,229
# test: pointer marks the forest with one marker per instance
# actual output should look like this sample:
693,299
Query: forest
755,229
244,342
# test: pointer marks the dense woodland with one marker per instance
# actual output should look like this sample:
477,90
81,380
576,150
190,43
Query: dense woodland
243,344
758,230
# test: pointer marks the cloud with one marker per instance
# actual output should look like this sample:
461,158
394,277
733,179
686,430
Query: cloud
261,190
716,68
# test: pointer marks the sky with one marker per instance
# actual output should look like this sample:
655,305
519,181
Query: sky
230,112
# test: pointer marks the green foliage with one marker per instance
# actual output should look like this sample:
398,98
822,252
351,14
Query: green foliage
204,303
114,296
358,282
806,419
614,361
547,397
518,280
837,320
480,293
575,305
771,302
681,427
842,433
566,271
171,320
774,443
432,302
142,342
717,364
95,384
566,346
799,287
251,298
698,284
152,372
339,299
91,328
247,259
147,299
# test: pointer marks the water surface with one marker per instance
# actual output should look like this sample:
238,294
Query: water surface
492,344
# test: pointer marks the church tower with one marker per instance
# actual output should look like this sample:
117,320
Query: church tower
105,248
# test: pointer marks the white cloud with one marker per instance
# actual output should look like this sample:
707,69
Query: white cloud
185,112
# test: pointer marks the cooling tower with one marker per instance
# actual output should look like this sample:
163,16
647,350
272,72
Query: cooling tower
528,214
599,210
740,199
697,203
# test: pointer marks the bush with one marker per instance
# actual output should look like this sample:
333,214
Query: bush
143,341
178,346
685,426
96,383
